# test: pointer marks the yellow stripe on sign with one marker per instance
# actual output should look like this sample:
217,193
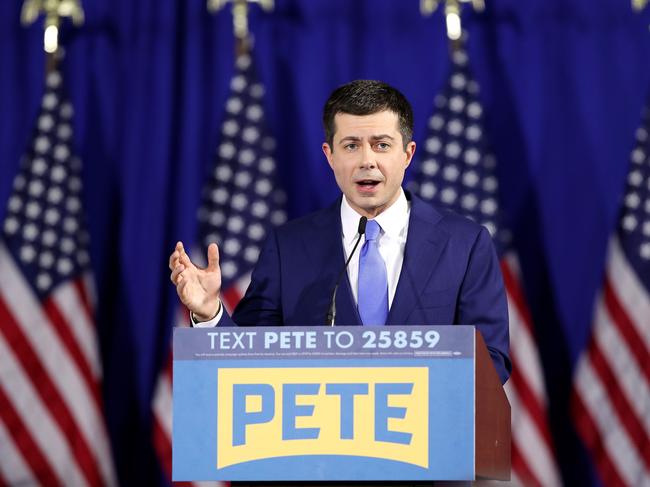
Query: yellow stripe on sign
379,412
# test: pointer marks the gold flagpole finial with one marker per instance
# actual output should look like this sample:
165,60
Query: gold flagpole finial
240,18
452,14
54,10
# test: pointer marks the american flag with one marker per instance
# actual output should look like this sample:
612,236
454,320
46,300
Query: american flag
52,428
239,201
458,172
611,401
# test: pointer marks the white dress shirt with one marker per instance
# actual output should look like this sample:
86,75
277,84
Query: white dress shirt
394,223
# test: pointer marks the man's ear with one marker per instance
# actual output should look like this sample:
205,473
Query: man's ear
410,152
327,150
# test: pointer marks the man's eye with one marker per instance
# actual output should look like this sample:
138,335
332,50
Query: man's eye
383,146
350,147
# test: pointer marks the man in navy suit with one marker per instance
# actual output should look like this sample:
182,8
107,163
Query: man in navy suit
432,267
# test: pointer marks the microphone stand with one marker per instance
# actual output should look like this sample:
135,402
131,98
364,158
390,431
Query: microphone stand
331,313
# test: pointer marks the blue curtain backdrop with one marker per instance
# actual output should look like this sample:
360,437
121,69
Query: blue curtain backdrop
563,84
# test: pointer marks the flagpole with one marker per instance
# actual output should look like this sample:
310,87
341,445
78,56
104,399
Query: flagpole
243,37
54,11
453,10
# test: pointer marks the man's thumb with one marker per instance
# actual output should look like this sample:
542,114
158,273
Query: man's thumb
213,257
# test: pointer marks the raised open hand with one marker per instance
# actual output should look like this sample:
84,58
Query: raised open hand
198,289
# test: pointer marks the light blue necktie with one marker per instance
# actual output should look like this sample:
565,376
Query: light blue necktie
373,283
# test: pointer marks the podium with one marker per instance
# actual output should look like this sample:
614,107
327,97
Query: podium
345,404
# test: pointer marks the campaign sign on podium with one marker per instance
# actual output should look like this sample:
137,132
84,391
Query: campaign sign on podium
321,403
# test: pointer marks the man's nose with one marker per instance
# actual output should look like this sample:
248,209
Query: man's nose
368,160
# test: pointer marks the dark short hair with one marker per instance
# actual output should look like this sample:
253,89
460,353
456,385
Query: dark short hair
366,97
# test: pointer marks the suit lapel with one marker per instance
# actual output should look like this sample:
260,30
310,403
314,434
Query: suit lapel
324,246
424,245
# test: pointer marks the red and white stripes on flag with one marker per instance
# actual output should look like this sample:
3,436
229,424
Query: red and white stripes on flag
50,403
52,427
612,382
533,458
458,172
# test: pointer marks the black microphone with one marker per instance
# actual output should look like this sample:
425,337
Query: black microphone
331,313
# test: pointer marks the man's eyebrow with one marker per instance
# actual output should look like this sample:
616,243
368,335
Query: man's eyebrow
350,138
354,138
382,136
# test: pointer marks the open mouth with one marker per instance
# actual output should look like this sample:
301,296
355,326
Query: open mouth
367,183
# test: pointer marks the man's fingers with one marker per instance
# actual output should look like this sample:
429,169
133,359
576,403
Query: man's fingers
173,259
184,259
176,273
213,257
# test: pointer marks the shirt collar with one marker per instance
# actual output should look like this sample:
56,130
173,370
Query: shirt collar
392,220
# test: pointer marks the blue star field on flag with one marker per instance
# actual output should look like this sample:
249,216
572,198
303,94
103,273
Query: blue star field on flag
458,171
241,198
44,226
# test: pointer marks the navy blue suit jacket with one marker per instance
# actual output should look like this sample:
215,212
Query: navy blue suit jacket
450,275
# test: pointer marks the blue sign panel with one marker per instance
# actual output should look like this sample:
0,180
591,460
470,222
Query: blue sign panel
346,403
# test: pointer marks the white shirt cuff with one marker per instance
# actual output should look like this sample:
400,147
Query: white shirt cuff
210,323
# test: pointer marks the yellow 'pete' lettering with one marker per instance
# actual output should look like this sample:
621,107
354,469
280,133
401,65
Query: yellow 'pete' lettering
380,412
